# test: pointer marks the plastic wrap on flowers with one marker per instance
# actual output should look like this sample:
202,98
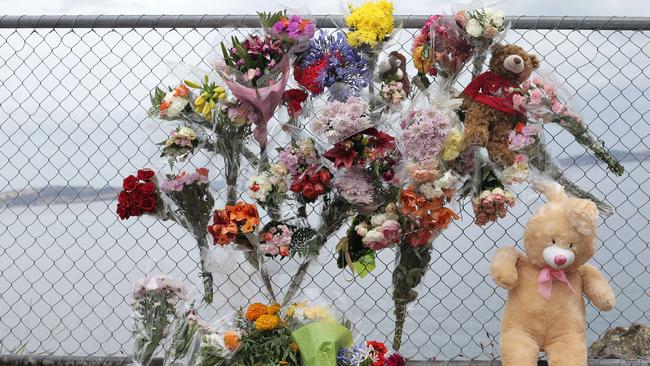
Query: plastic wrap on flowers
331,63
216,343
155,307
395,85
317,334
259,81
544,101
482,26
295,28
440,49
170,104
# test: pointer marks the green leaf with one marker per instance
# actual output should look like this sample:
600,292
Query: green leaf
365,265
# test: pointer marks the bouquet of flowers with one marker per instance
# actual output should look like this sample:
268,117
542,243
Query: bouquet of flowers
210,96
155,302
440,48
181,142
217,347
170,104
182,339
331,63
139,196
256,71
292,30
540,100
270,187
232,222
368,353
370,24
482,26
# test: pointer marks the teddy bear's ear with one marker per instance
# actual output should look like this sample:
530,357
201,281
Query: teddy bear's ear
552,190
582,214
534,60
495,47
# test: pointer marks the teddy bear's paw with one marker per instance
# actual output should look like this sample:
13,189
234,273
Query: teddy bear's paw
606,303
505,279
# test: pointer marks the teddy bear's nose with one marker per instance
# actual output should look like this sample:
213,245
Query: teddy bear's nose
517,60
559,259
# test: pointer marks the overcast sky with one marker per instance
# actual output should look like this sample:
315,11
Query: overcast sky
516,7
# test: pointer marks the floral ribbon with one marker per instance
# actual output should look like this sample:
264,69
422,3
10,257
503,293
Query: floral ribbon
545,281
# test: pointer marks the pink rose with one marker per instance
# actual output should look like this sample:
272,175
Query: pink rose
487,201
518,102
557,107
391,230
536,97
498,199
538,81
549,89
526,85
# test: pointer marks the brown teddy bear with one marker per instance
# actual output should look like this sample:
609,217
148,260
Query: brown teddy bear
545,309
488,101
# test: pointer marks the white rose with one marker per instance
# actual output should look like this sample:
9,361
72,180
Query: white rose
186,133
497,18
373,236
361,229
177,104
474,28
279,170
377,220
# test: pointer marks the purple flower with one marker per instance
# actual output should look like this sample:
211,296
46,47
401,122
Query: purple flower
356,187
425,132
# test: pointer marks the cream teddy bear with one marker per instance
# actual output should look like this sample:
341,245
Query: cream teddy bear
545,309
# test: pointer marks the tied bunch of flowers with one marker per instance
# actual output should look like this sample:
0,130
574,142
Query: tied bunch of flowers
183,179
522,136
425,217
481,23
255,59
155,301
368,146
425,132
293,29
368,353
517,172
393,93
297,158
210,96
381,230
440,47
269,188
312,183
170,104
218,346
492,204
340,120
370,24
233,220
181,142
276,240
539,99
330,62
294,99
139,195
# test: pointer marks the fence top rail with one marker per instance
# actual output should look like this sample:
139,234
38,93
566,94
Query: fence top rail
323,21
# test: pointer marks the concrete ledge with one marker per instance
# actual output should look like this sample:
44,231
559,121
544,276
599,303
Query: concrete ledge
40,360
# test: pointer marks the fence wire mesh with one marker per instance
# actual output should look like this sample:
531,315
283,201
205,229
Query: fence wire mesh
73,117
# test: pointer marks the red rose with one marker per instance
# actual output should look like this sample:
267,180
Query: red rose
308,77
319,189
313,179
122,212
130,183
122,197
148,204
324,176
146,174
308,191
297,184
136,211
293,98
147,188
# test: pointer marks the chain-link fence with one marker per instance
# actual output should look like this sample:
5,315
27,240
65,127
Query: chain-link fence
73,103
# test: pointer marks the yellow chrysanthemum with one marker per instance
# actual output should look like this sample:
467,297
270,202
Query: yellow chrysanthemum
267,322
421,64
273,309
454,145
317,313
370,23
255,311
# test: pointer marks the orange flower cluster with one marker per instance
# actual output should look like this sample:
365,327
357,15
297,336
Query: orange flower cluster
430,215
265,317
231,340
232,220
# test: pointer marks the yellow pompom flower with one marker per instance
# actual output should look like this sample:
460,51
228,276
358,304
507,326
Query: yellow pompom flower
267,322
273,309
255,311
421,64
371,23
454,145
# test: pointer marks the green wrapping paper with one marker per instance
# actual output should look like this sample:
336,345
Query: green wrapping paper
319,342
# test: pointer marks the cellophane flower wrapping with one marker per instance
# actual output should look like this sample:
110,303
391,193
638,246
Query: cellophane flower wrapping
331,63
543,101
155,307
216,343
170,104
182,349
317,333
294,28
